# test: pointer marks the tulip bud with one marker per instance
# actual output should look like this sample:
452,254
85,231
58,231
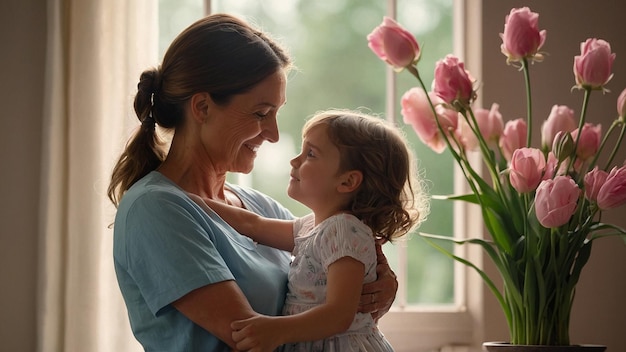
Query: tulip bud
453,83
561,118
593,66
588,141
394,44
513,137
556,201
417,112
563,146
522,38
526,170
612,194
594,180
621,104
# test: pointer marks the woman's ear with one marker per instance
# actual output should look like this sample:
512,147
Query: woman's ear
199,104
350,181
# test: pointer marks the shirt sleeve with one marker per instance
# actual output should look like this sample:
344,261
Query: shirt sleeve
165,227
346,236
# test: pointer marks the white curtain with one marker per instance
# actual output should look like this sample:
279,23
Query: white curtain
96,51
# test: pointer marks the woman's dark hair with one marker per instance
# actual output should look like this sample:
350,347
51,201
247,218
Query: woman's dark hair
219,54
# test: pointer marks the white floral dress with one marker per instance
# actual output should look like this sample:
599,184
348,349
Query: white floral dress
316,247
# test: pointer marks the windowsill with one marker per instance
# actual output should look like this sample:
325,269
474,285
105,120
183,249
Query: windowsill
438,326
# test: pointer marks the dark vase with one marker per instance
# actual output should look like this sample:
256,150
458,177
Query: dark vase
507,347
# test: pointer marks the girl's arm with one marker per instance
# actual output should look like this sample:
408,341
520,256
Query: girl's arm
264,333
275,233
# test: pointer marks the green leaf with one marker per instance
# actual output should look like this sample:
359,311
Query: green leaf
470,198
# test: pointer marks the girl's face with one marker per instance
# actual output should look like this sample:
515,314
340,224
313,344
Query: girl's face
234,132
315,172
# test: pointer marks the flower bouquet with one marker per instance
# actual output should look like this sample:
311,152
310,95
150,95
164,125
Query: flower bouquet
542,206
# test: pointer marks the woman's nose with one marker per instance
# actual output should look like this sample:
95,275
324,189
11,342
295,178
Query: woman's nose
270,129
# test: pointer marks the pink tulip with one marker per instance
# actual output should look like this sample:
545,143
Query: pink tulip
621,104
522,38
394,44
594,180
561,118
612,194
490,126
526,169
453,83
589,140
593,66
513,137
556,200
551,164
417,112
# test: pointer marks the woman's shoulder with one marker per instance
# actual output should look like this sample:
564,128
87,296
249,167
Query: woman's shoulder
151,187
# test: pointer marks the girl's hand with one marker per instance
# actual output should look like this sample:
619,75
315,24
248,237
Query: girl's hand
378,296
256,334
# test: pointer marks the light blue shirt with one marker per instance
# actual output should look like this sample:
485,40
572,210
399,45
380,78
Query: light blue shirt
165,246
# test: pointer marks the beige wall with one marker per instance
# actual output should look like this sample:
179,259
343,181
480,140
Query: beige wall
22,55
600,312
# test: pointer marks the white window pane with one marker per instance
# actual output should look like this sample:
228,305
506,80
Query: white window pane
174,16
327,40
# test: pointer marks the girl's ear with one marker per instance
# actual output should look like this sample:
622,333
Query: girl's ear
199,104
350,181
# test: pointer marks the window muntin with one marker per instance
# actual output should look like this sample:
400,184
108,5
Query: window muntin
335,68
327,40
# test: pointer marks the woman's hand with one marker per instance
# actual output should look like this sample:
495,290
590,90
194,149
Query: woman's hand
378,296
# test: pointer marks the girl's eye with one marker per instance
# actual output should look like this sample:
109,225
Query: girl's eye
310,153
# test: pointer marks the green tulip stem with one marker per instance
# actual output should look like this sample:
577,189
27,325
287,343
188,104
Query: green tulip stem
581,123
619,140
529,103
487,156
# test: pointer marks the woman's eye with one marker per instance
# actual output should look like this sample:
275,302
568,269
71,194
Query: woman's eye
261,115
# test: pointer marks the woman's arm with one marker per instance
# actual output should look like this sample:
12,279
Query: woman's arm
378,296
214,307
275,233
344,283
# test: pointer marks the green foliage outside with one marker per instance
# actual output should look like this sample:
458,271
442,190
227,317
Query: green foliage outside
336,69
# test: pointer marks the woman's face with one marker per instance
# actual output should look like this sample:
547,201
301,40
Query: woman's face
236,131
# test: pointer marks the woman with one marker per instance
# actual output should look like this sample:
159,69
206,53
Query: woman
185,274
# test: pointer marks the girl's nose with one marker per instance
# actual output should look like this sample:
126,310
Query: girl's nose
295,162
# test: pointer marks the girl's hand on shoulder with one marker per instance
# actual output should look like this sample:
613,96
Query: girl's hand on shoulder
256,334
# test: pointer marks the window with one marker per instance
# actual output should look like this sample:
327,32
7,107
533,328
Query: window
336,69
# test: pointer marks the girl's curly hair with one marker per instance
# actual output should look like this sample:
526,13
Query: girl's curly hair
391,199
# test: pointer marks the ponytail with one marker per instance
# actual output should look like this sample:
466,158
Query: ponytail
144,151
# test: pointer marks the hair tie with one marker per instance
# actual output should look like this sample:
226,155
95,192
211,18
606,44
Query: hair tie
148,122
157,81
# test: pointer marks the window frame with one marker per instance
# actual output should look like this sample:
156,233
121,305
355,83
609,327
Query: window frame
449,328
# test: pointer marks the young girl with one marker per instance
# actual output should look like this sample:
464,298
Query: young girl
355,173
